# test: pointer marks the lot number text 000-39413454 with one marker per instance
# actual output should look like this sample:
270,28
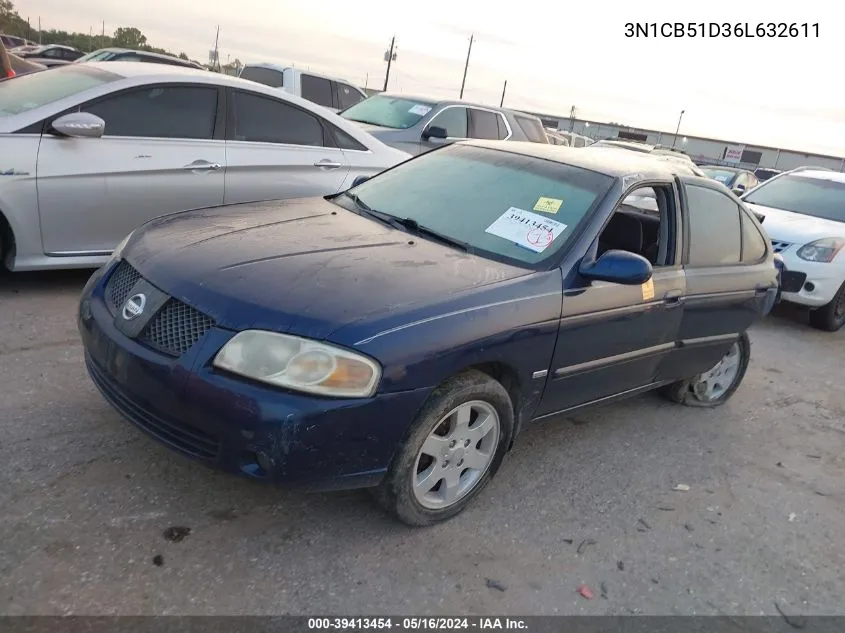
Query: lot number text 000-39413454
721,29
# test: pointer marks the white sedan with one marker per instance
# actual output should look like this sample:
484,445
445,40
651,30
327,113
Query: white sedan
803,212
89,152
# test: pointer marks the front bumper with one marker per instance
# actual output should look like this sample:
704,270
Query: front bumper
811,284
237,425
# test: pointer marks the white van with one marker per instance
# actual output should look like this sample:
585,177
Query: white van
329,92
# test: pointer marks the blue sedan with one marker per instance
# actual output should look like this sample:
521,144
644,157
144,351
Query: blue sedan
399,335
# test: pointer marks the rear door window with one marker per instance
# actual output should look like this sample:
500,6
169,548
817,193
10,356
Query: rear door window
267,76
715,231
317,90
483,124
261,119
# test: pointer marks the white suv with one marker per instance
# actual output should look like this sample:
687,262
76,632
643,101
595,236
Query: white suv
803,212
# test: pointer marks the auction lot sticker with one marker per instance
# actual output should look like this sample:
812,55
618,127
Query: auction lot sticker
526,229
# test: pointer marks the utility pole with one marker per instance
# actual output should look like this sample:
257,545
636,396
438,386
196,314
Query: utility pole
504,88
90,38
389,58
103,36
216,53
39,29
466,66
367,81
678,129
572,119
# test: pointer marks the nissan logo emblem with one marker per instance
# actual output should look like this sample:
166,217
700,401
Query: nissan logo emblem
134,306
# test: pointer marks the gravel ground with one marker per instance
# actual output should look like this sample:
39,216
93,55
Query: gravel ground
582,500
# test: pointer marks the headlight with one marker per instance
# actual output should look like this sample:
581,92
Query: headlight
299,364
823,250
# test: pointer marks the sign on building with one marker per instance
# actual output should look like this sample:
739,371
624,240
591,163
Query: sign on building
733,153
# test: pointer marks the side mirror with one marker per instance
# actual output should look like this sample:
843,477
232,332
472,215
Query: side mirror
619,267
359,180
80,125
434,132
739,190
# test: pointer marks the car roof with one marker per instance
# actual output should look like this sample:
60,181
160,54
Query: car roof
115,49
281,67
723,168
821,174
442,102
156,71
609,161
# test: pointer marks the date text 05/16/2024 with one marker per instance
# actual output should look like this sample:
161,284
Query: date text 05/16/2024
722,29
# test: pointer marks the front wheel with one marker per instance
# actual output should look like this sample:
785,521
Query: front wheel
830,317
452,450
715,386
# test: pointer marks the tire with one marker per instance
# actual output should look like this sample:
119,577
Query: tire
688,392
830,317
461,444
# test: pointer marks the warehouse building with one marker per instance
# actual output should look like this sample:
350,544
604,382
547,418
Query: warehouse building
701,150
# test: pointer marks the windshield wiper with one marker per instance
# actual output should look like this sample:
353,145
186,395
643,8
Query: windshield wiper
413,226
385,218
408,224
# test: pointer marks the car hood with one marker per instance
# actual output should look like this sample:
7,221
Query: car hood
787,226
304,266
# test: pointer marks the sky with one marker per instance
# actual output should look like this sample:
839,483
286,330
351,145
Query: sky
782,92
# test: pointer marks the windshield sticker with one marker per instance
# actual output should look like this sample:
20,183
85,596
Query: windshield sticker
420,109
548,205
526,229
648,290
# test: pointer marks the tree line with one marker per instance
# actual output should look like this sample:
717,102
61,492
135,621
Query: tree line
11,23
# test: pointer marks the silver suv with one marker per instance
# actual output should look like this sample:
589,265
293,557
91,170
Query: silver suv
417,125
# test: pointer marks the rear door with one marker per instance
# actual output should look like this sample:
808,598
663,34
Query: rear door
276,150
728,275
162,152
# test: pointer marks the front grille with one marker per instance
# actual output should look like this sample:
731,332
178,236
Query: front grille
176,328
182,437
119,285
779,246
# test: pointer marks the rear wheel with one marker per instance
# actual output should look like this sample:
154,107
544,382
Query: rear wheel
830,317
715,386
452,450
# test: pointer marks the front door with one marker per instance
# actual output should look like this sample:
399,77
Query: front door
275,150
158,156
616,338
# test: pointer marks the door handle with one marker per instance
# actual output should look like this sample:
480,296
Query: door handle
328,164
203,165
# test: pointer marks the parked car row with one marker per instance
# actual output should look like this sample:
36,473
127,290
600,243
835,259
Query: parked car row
91,151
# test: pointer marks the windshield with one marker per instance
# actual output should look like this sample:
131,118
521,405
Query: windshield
34,90
394,112
724,176
96,56
506,206
808,195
